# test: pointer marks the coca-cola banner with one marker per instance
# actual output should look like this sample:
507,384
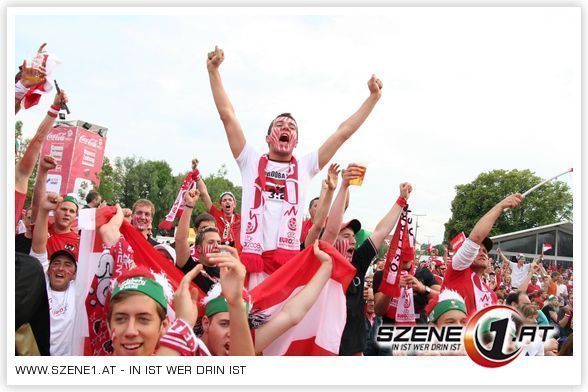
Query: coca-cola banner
79,153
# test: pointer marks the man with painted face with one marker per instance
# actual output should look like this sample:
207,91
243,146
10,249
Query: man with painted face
275,184
207,241
60,267
342,235
464,273
228,222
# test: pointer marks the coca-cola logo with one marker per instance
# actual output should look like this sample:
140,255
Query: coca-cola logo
88,141
57,137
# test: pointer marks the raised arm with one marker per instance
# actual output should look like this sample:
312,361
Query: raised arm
296,308
485,224
48,203
204,193
24,167
182,231
324,203
232,278
110,231
340,204
388,222
45,164
29,76
532,270
352,124
223,104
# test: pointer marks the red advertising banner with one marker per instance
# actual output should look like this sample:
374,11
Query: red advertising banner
78,148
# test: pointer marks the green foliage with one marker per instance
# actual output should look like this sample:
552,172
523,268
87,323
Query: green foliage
132,178
549,204
216,184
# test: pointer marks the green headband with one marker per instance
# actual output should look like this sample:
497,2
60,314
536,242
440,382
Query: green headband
219,304
444,307
144,285
71,199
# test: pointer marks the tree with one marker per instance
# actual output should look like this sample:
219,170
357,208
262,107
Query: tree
549,204
216,184
109,188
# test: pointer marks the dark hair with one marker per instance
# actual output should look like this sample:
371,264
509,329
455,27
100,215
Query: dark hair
202,233
91,196
289,115
204,217
513,297
312,201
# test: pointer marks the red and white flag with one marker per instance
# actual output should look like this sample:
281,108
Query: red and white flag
546,247
98,265
457,241
319,332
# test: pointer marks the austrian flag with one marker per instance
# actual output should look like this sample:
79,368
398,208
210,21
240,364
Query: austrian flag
319,332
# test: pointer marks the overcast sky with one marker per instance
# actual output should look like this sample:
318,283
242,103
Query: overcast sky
466,90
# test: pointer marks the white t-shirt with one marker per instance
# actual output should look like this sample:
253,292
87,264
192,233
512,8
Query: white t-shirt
562,290
276,174
518,273
62,313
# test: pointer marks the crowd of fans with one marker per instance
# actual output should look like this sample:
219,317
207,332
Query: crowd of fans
233,253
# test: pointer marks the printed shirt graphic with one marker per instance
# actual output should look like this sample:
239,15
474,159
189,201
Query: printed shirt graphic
276,174
477,294
69,241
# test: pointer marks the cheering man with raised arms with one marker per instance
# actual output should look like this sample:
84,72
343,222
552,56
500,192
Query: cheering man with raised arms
275,183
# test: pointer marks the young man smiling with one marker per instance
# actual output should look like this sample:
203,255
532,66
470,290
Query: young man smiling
60,267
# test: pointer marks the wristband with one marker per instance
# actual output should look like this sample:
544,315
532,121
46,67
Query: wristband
187,205
401,201
20,90
53,110
180,337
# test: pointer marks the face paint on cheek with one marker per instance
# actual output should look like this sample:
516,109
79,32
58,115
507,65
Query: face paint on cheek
210,248
274,138
342,245
293,141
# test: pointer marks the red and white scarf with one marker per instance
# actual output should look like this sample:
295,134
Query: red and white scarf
401,249
253,246
178,206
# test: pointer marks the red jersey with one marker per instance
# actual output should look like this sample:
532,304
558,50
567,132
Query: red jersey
306,225
229,229
467,283
531,288
57,241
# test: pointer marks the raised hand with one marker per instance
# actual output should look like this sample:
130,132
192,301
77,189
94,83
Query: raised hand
215,59
60,99
512,201
320,254
51,201
31,76
232,273
191,197
47,163
375,85
352,172
405,190
186,298
332,176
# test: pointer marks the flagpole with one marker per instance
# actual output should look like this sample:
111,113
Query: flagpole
571,169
